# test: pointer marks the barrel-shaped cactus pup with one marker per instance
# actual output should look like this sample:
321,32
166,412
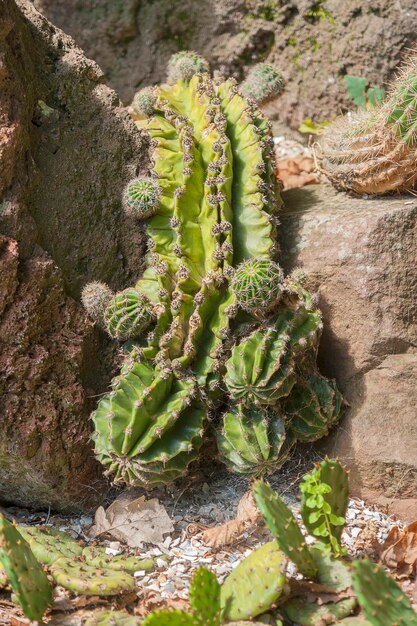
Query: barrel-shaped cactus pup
213,289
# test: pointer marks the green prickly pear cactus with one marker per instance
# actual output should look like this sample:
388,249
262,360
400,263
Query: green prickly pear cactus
325,498
204,598
256,583
24,574
283,525
112,618
211,293
381,598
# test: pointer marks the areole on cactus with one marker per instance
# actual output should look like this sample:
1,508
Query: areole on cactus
229,333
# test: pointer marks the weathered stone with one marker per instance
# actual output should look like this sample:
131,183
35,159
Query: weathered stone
315,43
361,256
67,148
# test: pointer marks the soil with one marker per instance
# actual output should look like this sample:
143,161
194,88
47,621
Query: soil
315,42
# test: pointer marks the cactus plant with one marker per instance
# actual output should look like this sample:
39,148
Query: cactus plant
78,576
26,577
313,407
283,525
211,197
381,598
334,575
96,556
49,544
141,197
95,297
325,498
257,285
374,152
184,64
253,440
128,314
143,103
256,583
263,83
111,618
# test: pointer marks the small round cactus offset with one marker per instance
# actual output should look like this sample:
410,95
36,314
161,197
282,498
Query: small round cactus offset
184,64
263,83
95,297
257,285
141,197
128,314
144,101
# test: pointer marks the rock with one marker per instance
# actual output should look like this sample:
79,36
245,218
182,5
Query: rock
67,148
360,254
315,45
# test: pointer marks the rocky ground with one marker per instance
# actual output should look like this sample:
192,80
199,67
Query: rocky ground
204,533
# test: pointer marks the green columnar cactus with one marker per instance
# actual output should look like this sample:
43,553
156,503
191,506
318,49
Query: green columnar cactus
128,314
26,577
263,83
256,583
284,528
325,498
381,598
211,197
253,440
373,152
313,407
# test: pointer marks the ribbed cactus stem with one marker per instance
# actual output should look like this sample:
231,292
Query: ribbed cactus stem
211,197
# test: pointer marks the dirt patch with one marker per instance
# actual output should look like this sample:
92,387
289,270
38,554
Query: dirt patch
314,42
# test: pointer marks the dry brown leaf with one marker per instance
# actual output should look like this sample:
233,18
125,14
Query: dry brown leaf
399,551
134,522
367,541
230,532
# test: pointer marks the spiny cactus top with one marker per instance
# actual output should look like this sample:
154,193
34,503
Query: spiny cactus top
217,337
373,152
263,83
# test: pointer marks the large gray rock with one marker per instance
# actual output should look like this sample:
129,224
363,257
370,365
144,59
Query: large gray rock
67,148
361,256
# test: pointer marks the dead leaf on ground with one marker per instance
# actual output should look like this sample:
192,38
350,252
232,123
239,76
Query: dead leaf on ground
367,541
134,522
230,532
399,551
297,171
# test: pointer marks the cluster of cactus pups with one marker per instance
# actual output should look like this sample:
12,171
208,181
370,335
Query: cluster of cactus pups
374,152
213,333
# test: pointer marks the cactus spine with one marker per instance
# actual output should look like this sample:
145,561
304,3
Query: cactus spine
374,152
211,197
